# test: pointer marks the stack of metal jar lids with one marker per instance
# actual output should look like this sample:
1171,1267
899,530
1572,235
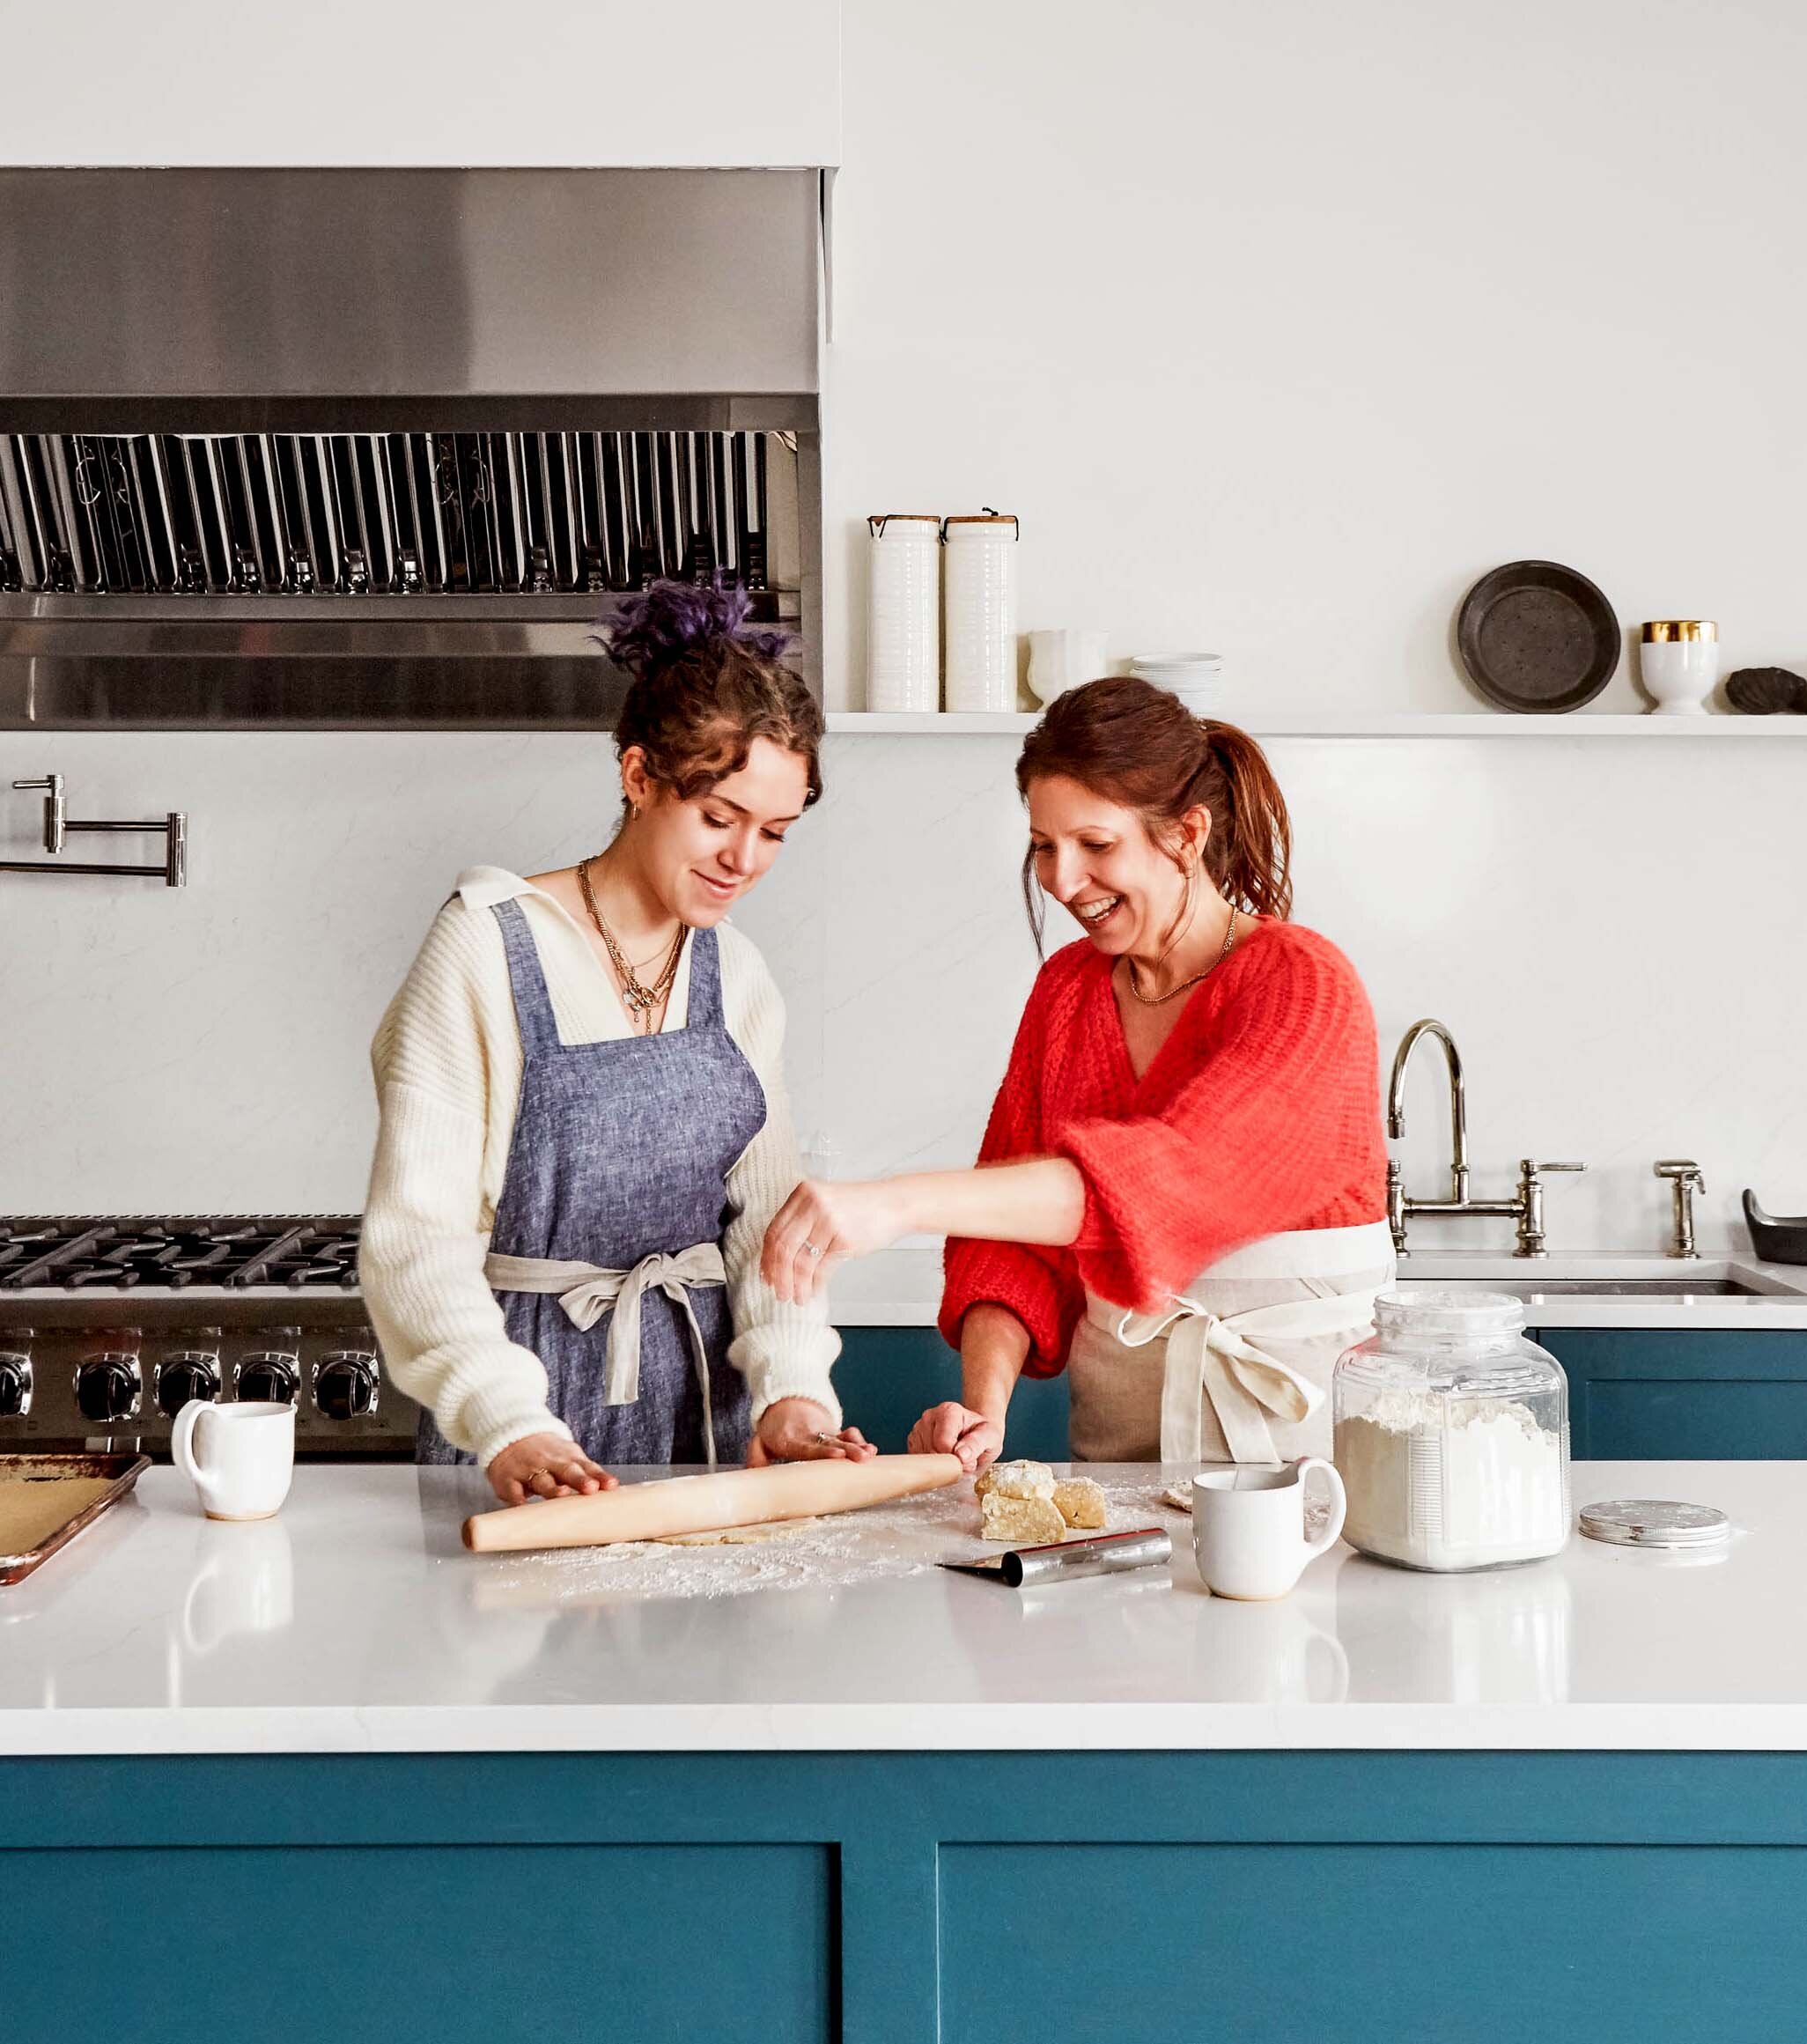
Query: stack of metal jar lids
1654,1522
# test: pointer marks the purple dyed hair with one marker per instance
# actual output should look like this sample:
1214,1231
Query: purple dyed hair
671,619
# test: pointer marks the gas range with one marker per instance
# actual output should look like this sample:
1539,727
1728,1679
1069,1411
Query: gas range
109,1326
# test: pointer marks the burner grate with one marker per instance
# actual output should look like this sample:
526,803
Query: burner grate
299,1253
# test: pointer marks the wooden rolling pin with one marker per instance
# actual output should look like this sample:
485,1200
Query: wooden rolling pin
706,1504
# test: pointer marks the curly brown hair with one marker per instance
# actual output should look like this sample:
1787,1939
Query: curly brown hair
704,687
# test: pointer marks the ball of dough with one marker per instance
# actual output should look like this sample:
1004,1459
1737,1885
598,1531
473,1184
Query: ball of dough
1020,1522
1015,1480
1080,1501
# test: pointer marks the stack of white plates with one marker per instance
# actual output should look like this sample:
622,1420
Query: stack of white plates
1194,677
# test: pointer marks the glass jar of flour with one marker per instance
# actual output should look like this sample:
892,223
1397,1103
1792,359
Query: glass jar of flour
1452,1433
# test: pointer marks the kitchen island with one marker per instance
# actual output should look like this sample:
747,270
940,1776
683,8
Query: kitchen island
331,1775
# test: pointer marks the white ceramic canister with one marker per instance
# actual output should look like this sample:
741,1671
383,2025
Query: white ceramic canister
904,611
981,603
1678,664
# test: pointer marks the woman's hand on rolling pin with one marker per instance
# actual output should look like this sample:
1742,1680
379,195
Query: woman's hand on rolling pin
797,1430
544,1465
956,1430
823,1223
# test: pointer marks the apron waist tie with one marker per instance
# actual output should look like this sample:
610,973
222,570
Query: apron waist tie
1213,1357
587,1291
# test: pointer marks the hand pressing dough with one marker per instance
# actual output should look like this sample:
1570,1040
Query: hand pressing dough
1018,1479
1081,1502
1020,1522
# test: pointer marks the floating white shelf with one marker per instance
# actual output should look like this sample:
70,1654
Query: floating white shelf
1328,724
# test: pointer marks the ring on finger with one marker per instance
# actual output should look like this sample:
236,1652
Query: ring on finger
810,1249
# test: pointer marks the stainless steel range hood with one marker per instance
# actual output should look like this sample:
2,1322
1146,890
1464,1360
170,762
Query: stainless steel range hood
327,449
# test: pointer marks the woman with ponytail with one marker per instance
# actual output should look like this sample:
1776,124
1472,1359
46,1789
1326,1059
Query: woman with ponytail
584,1129
1182,1191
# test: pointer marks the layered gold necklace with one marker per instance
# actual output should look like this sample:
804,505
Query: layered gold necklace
1173,994
641,1000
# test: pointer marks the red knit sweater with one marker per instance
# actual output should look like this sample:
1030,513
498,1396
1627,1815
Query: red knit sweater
1259,1114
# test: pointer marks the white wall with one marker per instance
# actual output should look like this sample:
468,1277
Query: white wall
369,82
1279,324
1276,326
1576,911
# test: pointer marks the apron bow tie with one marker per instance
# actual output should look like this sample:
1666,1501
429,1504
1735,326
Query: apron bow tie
587,1291
1211,1356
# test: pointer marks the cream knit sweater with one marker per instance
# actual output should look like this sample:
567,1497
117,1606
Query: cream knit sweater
447,1060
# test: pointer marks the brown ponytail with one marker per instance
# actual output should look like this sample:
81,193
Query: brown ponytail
1140,747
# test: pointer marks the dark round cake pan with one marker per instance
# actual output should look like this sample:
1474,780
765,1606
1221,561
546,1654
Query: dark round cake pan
1536,636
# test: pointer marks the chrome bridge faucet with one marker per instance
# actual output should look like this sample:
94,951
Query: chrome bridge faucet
1527,1208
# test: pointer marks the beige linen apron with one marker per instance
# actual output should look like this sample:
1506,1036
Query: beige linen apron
1237,1367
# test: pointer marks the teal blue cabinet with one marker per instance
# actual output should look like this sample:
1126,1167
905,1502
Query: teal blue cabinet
1648,1395
437,1941
1098,1898
1636,1395
1419,1943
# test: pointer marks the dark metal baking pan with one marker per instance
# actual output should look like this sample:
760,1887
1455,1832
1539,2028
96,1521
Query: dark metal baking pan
1537,637
35,1521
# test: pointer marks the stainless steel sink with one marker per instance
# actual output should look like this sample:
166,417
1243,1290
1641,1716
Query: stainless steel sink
1675,1287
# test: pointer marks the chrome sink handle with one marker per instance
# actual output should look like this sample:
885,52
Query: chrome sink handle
1685,1180
1531,1203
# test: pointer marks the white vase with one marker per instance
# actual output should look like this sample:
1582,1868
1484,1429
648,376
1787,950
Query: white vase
1060,660
980,574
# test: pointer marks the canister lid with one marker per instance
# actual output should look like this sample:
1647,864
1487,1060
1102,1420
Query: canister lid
1654,1522
1463,1310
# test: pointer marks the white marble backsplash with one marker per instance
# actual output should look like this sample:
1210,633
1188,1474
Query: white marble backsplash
1585,914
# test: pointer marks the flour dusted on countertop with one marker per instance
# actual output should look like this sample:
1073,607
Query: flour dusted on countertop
1439,1482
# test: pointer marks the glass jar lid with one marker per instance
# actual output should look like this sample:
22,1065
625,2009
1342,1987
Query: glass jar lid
1447,1312
1654,1522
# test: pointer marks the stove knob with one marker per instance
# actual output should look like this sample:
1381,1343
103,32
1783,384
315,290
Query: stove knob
194,1373
107,1388
272,1378
345,1385
15,1384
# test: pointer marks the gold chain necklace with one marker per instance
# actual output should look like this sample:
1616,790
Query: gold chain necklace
642,1001
1173,994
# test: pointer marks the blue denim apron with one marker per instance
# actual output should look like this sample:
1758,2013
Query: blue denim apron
621,1152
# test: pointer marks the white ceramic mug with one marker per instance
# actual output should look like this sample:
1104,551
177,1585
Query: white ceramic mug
1248,1527
240,1456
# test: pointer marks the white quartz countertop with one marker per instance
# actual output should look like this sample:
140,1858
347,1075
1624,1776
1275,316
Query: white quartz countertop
357,1622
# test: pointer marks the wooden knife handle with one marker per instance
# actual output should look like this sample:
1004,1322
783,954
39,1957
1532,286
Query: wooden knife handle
706,1504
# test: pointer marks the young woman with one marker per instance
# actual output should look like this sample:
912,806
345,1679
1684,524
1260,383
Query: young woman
1182,1192
584,1129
